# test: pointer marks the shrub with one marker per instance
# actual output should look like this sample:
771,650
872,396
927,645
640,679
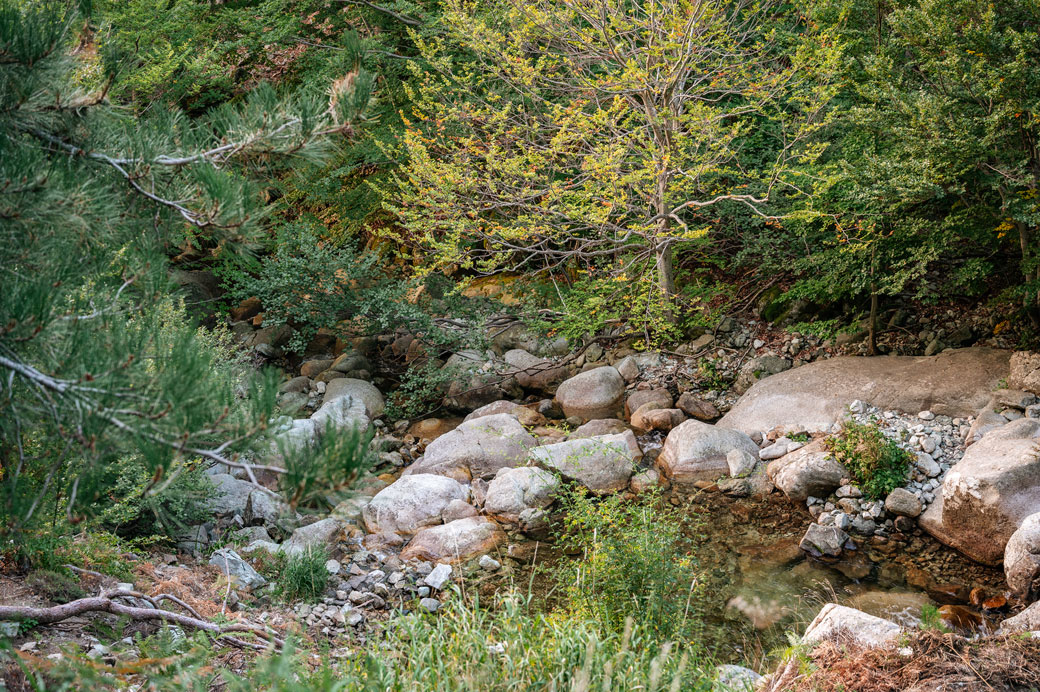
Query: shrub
877,464
636,563
308,282
304,576
139,506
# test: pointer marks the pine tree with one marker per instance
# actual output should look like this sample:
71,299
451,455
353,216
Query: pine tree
97,359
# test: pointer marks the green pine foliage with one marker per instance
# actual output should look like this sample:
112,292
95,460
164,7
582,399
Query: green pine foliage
98,360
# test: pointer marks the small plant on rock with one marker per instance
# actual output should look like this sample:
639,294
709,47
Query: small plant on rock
877,464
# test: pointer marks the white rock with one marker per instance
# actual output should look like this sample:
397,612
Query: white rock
438,577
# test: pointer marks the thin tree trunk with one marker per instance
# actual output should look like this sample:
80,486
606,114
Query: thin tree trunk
873,320
1031,300
663,249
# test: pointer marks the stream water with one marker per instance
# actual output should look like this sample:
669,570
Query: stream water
763,586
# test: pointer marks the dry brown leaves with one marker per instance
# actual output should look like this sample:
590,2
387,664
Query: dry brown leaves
939,662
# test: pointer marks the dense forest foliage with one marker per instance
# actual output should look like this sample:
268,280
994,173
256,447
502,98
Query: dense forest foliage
629,167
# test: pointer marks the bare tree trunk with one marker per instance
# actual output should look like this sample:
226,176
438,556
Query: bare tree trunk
1030,301
663,249
873,320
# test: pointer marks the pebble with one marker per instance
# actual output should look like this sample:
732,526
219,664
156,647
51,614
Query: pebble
430,605
926,415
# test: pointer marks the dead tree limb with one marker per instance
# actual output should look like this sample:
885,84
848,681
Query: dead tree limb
109,603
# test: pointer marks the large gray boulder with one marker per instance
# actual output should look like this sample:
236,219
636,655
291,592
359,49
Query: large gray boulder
365,392
341,413
602,464
592,394
477,449
758,369
455,541
848,625
532,372
815,396
321,535
1022,560
411,503
808,471
230,495
696,451
989,493
479,378
515,490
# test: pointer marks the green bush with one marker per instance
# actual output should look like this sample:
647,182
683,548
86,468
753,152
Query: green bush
635,563
303,576
139,505
877,464
308,282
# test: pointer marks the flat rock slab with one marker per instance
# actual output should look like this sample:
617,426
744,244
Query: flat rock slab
817,395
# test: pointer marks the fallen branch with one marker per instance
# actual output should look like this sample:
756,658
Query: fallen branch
109,603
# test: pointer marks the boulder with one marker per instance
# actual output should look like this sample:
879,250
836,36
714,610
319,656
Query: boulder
816,396
696,408
455,541
365,392
514,490
757,369
731,678
661,397
602,464
740,462
644,481
313,368
836,622
479,378
341,413
411,503
532,372
523,414
1025,371
600,426
808,471
696,451
323,534
240,571
903,503
477,449
628,368
1022,560
230,495
987,420
264,507
824,541
989,493
651,417
592,394
1026,621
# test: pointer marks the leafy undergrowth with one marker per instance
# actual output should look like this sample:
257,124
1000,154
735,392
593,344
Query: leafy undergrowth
878,464
940,661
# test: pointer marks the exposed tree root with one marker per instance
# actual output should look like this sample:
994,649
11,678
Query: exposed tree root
109,602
